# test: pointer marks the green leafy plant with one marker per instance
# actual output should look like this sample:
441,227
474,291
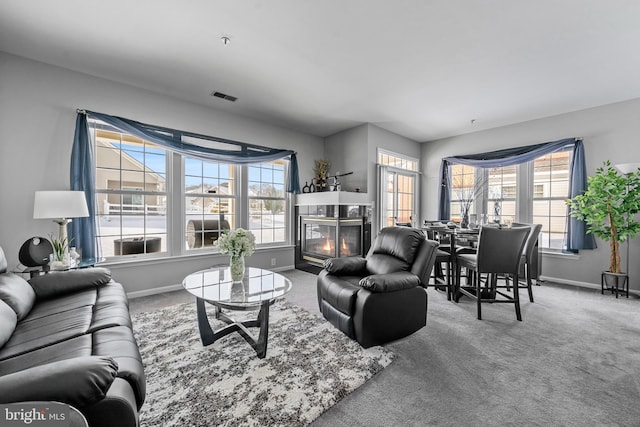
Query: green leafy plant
59,247
608,207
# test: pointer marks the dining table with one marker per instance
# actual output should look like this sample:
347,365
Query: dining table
453,240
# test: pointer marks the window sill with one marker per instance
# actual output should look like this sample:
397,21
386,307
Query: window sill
178,258
560,255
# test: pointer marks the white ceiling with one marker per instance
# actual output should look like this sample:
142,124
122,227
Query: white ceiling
421,68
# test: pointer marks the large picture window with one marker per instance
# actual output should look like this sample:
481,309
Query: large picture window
532,192
138,183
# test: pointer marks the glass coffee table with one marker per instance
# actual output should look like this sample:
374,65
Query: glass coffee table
257,291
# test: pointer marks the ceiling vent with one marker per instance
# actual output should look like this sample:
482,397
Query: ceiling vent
224,96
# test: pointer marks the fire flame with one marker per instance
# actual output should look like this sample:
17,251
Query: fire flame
328,246
345,248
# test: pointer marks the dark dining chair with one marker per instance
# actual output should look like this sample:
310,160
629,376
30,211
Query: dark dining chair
529,262
499,253
442,277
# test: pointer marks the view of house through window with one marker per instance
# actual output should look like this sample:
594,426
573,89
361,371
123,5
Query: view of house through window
134,186
496,198
131,194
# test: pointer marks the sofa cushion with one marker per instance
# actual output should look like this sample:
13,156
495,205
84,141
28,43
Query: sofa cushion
8,321
17,293
75,347
63,303
57,284
42,332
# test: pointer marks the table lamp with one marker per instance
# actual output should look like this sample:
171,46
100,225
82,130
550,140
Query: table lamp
60,206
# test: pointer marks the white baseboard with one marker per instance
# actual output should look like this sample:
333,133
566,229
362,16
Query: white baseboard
580,284
153,291
172,288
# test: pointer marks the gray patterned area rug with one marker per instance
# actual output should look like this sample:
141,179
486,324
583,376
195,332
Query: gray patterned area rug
308,368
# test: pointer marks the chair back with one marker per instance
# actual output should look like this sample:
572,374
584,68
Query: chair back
500,249
534,232
394,249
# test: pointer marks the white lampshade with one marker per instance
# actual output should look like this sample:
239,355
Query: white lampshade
627,168
59,204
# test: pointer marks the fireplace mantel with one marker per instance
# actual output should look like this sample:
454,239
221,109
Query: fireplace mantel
333,198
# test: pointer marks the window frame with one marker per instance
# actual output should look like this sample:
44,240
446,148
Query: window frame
525,195
175,194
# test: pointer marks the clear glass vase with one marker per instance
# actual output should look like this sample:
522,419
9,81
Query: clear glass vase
236,265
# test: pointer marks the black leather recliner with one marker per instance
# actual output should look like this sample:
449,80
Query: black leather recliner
379,298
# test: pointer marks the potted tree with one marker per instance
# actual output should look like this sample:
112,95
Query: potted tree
608,207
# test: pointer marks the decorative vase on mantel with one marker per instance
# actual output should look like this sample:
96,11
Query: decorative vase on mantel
237,267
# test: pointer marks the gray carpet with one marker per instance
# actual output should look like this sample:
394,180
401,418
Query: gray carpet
573,361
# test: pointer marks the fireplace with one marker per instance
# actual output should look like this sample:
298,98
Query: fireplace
331,230
323,238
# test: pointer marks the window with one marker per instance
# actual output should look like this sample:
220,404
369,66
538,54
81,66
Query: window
137,181
267,202
502,194
551,177
210,202
531,192
465,186
131,194
398,188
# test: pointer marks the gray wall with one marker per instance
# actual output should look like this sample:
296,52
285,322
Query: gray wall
356,149
610,132
347,152
37,118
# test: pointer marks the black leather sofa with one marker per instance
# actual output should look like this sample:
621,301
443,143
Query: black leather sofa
67,337
379,298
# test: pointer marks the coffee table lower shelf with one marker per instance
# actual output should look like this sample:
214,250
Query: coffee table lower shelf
209,336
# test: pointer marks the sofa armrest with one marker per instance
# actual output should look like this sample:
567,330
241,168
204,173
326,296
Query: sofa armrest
346,266
60,283
390,282
78,381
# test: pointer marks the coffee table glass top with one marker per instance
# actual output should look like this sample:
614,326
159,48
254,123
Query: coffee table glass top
257,286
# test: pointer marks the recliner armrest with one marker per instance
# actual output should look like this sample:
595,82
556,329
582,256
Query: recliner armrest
390,282
346,266
78,381
59,283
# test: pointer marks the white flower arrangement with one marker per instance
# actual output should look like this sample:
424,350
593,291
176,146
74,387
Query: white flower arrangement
236,242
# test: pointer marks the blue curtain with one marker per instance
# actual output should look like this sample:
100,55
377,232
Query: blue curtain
576,232
172,140
577,237
82,231
444,192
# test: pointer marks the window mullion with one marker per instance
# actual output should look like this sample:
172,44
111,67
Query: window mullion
176,200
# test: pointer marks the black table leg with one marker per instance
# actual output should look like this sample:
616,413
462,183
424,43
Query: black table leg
208,336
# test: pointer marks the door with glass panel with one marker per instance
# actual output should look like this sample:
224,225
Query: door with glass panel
398,198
